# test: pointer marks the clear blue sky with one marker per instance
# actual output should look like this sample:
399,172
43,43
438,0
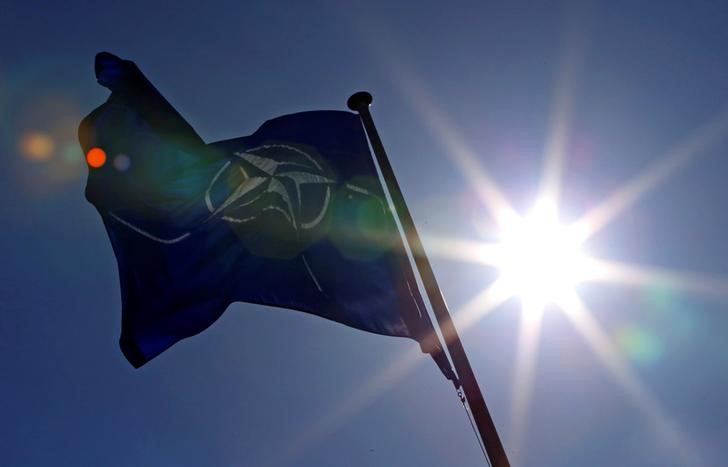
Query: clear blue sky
629,81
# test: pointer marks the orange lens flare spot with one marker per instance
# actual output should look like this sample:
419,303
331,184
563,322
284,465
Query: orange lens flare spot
96,157
37,146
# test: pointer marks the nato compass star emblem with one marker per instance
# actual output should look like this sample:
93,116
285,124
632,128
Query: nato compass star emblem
275,196
282,185
274,177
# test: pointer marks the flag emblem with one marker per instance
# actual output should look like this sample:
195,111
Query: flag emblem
292,216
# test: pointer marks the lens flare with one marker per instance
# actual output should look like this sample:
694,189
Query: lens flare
71,153
96,157
37,146
640,345
122,162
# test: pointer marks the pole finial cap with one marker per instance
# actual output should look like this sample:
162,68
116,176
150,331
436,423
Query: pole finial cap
359,101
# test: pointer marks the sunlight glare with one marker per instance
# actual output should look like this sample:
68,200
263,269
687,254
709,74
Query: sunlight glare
677,158
584,321
527,353
601,270
542,260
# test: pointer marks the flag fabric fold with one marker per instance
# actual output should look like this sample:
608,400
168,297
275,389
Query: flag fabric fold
292,216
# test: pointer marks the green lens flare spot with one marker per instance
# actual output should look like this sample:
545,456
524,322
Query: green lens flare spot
640,345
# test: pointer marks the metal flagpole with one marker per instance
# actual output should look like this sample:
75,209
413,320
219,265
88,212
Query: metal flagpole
360,102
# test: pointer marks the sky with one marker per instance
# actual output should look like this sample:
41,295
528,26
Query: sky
621,105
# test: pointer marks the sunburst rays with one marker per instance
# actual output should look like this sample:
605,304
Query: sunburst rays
489,254
499,207
667,429
636,275
472,311
573,307
625,196
596,270
462,156
528,339
349,406
560,121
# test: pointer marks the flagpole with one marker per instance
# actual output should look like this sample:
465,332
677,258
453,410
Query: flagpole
360,102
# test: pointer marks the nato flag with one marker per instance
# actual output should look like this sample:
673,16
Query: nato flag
292,216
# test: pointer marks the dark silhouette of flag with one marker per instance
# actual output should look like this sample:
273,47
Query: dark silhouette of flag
292,216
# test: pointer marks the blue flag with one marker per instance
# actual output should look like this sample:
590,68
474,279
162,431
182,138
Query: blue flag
292,216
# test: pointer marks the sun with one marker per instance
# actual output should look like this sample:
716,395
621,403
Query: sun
541,260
